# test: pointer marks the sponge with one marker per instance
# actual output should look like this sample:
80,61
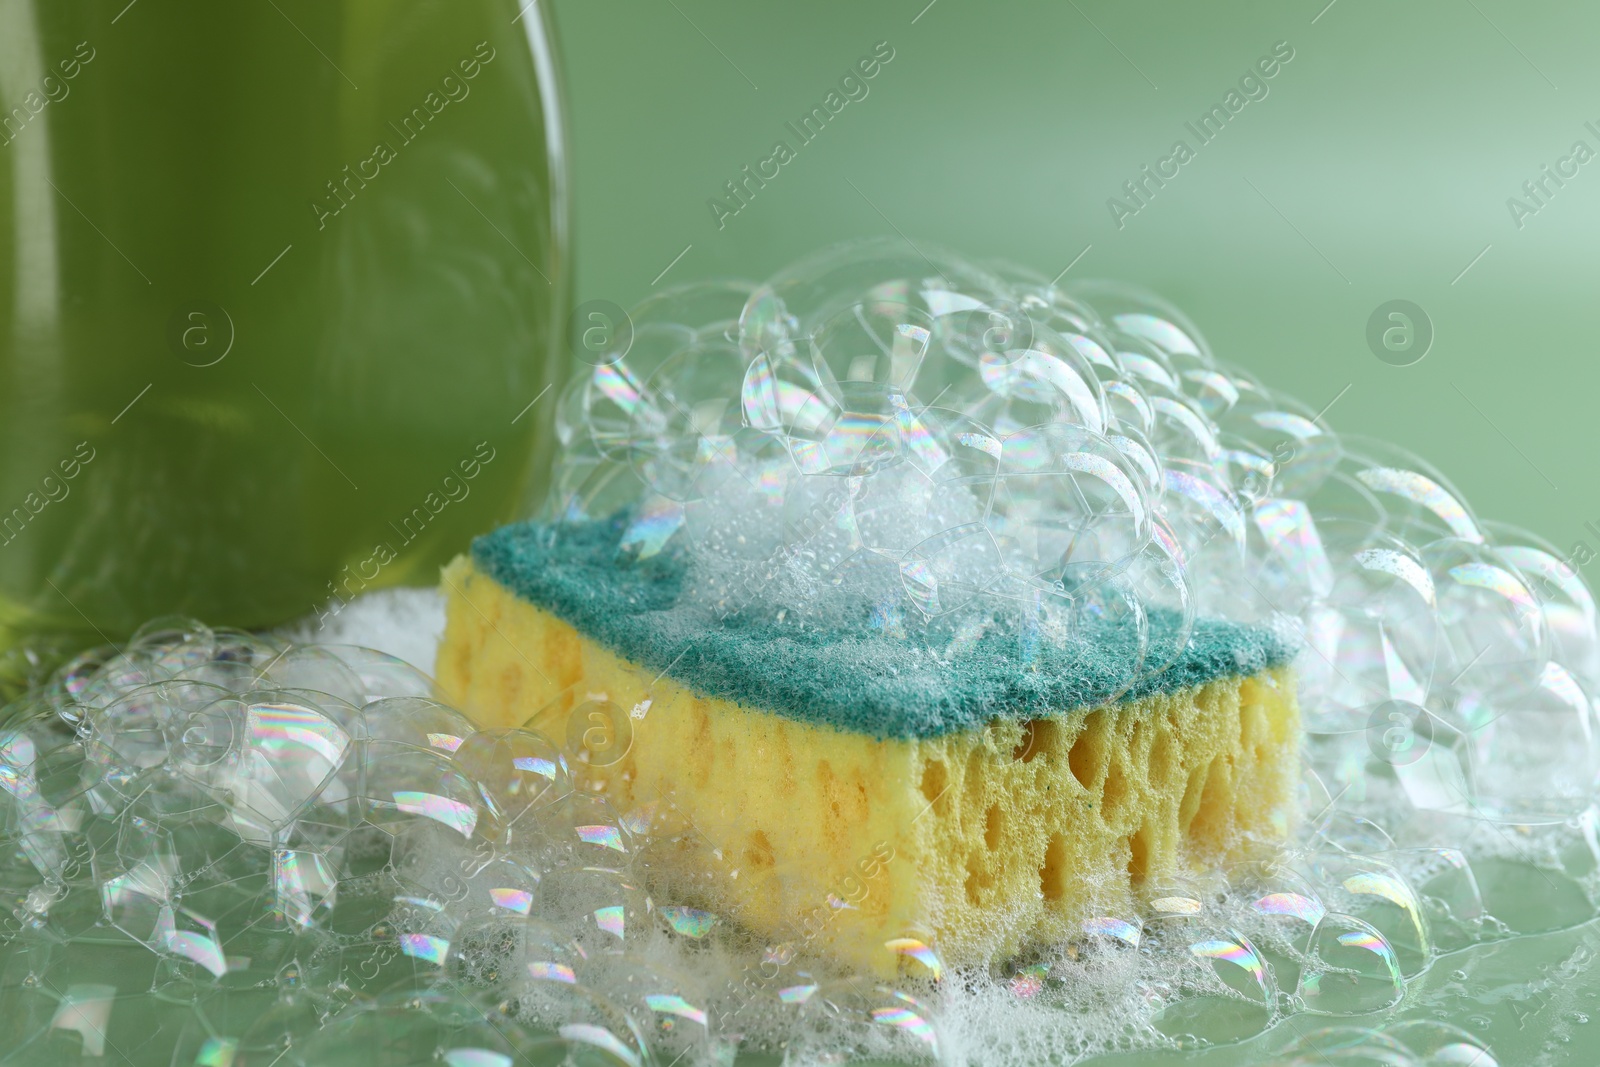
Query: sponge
986,809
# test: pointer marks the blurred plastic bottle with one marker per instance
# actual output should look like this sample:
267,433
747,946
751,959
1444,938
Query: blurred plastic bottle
279,282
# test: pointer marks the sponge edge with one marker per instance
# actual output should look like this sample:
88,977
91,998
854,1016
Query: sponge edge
987,840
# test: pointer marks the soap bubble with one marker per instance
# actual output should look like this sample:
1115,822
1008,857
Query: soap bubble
705,305
795,301
419,722
411,1026
949,570
1380,894
1351,969
381,675
1373,631
1529,742
1066,499
854,1020
175,642
1440,1043
1228,988
876,344
314,668
514,771
1489,618
401,783
1565,599
1420,504
1303,452
1045,380
1147,316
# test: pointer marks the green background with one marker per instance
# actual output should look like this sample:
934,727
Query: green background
1377,168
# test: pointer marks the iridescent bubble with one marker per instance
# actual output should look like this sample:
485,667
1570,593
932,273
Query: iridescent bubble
1147,316
600,908
1144,460
515,772
1291,566
669,1005
1421,504
1209,524
1440,1044
1305,908
193,937
1248,469
1238,964
1565,598
584,831
916,957
616,404
689,922
1227,989
1212,391
174,642
1375,634
874,343
1126,404
804,294
1489,618
1129,933
420,722
1349,1044
1303,453
139,880
1144,363
1352,969
401,783
859,1020
305,885
1530,741
784,394
1029,981
1381,895
1448,889
1047,380
497,952
72,679
947,571
1155,580
411,1026
688,413
1066,497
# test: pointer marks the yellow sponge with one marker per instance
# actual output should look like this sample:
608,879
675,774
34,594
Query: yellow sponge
988,840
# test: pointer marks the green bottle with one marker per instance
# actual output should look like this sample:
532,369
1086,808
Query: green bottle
282,299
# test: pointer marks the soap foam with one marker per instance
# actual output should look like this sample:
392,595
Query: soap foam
239,813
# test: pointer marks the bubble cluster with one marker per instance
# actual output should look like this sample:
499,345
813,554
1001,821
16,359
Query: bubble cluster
885,435
223,848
